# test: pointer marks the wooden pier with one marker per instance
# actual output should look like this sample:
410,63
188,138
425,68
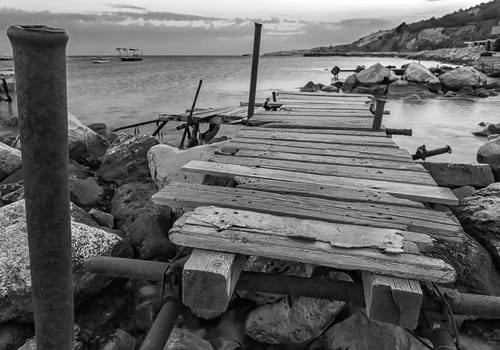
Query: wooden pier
314,183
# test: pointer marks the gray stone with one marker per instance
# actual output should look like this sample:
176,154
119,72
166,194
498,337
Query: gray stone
126,161
292,320
350,83
375,74
463,76
482,92
456,175
30,344
182,339
330,88
360,333
376,89
403,88
417,73
10,160
489,153
466,91
102,218
488,129
311,87
84,192
120,340
15,279
450,94
463,192
84,144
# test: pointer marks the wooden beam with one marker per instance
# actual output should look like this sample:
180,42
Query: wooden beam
392,300
336,123
208,281
315,131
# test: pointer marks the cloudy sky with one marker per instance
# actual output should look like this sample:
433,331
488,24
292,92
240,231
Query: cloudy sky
208,27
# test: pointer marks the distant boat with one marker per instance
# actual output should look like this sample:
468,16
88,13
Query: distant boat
127,54
99,60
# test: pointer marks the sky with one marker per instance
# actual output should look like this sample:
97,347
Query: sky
215,27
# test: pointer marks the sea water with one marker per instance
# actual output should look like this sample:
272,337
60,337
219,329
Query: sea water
120,93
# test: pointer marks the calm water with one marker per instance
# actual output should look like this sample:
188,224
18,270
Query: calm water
119,93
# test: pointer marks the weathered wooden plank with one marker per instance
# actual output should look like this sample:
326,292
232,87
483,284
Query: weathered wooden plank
324,114
330,95
322,138
333,102
392,300
422,193
190,196
214,273
320,159
316,131
401,176
322,107
313,122
250,233
323,191
318,148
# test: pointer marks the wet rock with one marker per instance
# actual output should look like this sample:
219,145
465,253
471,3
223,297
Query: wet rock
376,89
292,320
456,175
450,94
126,161
330,88
311,87
182,339
464,191
466,91
15,279
480,217
102,218
14,335
463,76
30,344
482,92
120,340
85,145
376,74
10,160
488,129
144,223
165,162
417,73
403,88
489,153
350,83
84,192
360,333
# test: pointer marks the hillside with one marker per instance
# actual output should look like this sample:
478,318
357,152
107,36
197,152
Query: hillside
448,31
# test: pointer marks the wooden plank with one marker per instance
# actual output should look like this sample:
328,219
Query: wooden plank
323,94
250,233
322,138
333,102
323,106
339,123
189,196
358,172
392,300
325,114
316,131
323,191
422,193
208,281
337,150
319,159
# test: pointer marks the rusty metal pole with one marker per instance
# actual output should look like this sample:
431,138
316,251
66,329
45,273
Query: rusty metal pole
379,113
162,326
255,69
40,68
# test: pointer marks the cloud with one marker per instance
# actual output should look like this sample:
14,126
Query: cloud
126,7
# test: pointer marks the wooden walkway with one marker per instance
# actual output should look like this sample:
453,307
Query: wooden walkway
314,184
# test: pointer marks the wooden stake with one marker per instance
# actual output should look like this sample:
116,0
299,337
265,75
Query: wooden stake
379,113
255,69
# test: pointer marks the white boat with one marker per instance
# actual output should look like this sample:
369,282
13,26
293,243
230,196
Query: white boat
99,60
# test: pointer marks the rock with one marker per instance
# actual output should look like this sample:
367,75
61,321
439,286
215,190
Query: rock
463,76
466,91
144,223
126,161
102,218
488,129
456,175
84,192
15,279
392,77
403,88
480,216
489,153
99,128
84,144
360,333
182,339
311,87
291,320
13,335
417,73
464,191
165,162
376,74
350,83
482,92
330,88
450,94
376,90
10,160
29,345
120,340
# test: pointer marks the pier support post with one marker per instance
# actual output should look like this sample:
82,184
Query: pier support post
6,90
255,69
40,73
379,113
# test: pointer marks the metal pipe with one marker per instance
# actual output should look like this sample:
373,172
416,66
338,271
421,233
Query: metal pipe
255,69
423,153
162,326
379,113
405,132
40,73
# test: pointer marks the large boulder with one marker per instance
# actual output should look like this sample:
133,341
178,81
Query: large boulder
463,76
183,339
360,333
15,280
165,162
292,320
85,145
480,217
126,160
456,175
376,74
10,160
417,73
489,153
350,83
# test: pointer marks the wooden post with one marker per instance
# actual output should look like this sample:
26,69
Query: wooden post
40,66
255,69
379,113
6,90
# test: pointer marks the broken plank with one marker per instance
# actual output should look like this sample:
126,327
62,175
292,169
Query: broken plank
249,233
358,172
422,193
392,300
208,281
